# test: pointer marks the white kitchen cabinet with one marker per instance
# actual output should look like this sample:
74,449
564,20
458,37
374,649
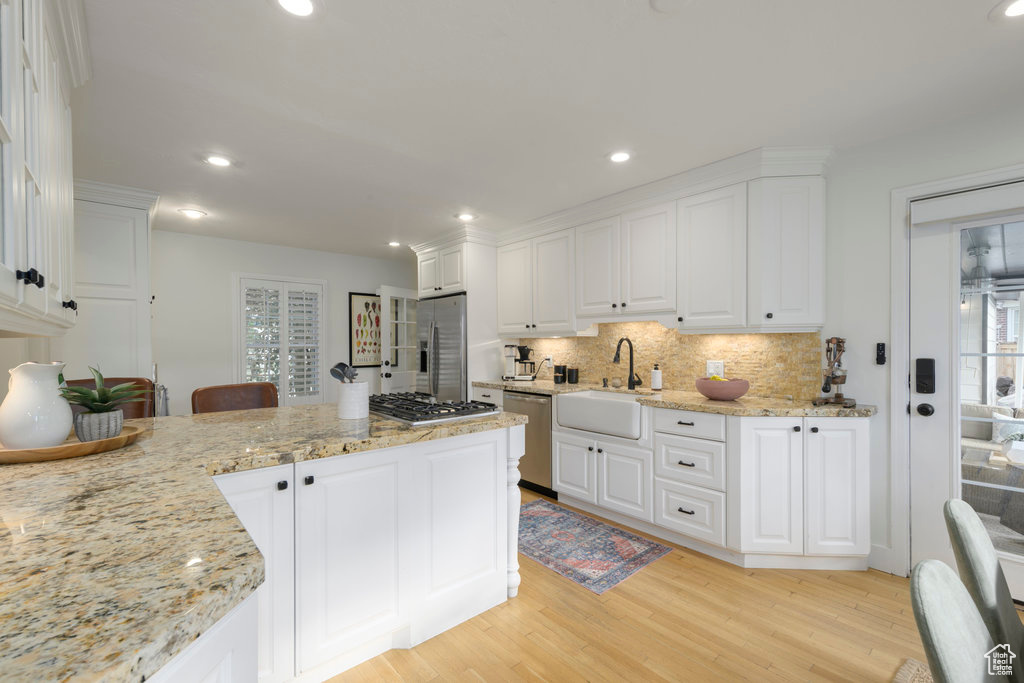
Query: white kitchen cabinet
691,510
226,653
552,270
264,501
495,396
699,462
771,486
712,259
625,480
598,262
535,286
836,486
441,271
574,466
353,517
515,289
112,285
428,268
786,244
648,260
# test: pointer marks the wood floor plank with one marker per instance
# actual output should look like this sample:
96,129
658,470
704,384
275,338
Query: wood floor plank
684,617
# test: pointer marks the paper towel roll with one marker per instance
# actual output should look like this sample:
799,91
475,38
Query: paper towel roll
354,401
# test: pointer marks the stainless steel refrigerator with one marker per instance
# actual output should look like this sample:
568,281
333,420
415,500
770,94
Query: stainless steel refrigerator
441,341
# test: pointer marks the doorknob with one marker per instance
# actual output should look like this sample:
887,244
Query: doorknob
926,409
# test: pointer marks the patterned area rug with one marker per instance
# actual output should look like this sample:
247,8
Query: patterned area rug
591,553
912,671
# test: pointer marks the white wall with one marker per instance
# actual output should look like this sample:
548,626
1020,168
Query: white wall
192,312
858,293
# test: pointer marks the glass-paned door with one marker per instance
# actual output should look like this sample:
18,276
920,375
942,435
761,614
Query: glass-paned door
398,342
992,379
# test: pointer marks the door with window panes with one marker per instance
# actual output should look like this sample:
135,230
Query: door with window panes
398,362
282,338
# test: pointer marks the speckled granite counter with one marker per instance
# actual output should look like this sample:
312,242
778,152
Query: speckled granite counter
111,564
748,406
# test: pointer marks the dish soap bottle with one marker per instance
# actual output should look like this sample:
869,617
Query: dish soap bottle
656,378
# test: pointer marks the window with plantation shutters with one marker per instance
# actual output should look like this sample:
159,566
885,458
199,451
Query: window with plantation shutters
281,336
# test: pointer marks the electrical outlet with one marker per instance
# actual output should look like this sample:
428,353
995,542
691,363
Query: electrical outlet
547,359
715,367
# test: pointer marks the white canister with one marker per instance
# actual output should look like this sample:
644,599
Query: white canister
354,401
34,414
656,378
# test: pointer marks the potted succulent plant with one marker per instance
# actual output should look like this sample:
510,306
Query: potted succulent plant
102,418
1013,447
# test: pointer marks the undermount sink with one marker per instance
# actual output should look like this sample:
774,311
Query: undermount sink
603,412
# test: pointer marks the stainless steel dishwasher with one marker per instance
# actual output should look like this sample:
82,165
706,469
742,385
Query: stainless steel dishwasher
535,465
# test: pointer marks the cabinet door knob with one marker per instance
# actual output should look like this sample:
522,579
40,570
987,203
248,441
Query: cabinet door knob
282,485
679,319
687,464
769,315
623,304
527,325
600,450
535,325
814,430
685,424
686,512
308,480
615,305
796,429
590,448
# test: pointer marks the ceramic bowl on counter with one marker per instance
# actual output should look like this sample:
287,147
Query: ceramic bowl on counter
719,390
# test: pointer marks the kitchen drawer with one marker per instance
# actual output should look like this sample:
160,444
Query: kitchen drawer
692,461
690,510
494,396
690,423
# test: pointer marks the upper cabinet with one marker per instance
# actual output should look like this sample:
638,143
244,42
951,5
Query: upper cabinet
711,255
786,240
626,265
36,225
535,285
442,271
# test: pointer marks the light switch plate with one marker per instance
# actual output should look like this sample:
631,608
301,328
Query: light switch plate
716,367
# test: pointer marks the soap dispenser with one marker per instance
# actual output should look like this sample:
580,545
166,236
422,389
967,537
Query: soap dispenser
656,378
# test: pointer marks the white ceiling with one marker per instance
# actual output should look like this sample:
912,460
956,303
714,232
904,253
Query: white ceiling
378,120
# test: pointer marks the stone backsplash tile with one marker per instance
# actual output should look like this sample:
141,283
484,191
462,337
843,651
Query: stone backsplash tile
774,364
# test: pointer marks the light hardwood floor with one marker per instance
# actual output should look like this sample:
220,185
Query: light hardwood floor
684,617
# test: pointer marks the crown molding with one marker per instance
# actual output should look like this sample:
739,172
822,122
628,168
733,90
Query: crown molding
764,162
67,19
116,195
463,234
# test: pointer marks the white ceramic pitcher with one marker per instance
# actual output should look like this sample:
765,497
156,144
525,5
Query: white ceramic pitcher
34,414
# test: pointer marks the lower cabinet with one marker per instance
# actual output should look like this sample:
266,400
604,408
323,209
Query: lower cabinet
771,505
368,551
691,510
264,501
574,466
836,486
625,480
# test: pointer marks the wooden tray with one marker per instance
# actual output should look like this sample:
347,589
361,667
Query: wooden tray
72,448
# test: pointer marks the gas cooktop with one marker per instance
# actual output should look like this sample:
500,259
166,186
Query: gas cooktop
419,409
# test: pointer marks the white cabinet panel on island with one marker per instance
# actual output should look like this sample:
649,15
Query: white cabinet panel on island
264,501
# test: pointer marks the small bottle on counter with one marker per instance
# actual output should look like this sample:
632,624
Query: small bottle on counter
656,378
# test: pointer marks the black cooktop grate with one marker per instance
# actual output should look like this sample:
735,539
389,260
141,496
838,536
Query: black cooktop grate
417,407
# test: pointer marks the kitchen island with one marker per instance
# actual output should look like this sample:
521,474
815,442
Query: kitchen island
111,565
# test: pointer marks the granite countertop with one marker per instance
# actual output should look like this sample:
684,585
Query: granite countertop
111,564
747,406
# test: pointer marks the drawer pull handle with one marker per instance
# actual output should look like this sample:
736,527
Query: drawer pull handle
486,395
687,464
685,424
687,512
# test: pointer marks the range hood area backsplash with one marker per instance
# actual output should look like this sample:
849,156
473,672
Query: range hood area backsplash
780,365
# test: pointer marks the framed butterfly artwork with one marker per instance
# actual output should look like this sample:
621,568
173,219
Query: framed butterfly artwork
364,330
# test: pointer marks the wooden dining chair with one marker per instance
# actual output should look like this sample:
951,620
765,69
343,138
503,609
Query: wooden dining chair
223,397
144,408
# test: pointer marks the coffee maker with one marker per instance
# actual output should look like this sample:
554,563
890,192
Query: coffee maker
517,364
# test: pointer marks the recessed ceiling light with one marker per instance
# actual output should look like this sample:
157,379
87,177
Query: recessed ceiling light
217,160
1007,9
1014,9
619,157
465,217
394,244
194,214
300,8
